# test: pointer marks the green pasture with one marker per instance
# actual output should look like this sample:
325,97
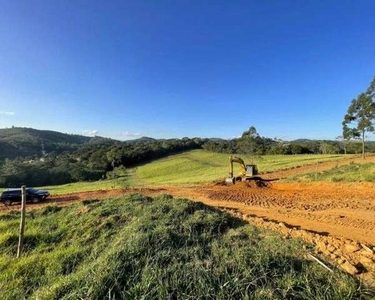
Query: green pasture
199,166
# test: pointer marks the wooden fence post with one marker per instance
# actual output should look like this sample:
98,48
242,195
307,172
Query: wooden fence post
22,225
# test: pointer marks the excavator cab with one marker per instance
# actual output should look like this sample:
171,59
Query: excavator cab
251,170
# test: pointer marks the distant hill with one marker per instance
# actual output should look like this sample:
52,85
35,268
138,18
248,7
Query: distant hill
302,141
140,140
30,142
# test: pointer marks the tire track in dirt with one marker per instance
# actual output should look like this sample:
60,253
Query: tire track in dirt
333,208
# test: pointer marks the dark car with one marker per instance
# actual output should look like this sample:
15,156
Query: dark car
14,195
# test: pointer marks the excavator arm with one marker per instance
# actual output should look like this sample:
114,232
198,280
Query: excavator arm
238,160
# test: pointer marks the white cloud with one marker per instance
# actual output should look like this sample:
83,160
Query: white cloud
131,134
90,132
7,113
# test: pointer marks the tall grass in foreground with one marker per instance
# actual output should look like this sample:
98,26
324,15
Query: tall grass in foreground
136,247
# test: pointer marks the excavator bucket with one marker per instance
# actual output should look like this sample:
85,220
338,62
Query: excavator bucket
230,180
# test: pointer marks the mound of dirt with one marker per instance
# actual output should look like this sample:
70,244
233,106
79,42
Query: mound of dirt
257,183
254,183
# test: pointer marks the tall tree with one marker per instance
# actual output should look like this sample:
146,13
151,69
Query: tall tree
361,114
251,133
348,134
250,142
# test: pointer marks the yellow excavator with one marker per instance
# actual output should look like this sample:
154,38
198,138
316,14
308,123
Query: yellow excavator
248,172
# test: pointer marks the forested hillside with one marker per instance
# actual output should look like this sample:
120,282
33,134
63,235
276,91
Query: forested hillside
84,159
24,142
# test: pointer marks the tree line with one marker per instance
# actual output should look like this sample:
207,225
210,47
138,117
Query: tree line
252,143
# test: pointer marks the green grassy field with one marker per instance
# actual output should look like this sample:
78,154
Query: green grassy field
199,166
136,247
196,166
348,173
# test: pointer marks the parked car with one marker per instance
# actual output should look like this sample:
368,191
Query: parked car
14,195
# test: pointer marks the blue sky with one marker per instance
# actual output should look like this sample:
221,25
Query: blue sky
184,68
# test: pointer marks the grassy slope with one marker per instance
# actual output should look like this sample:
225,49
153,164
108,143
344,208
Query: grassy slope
136,247
349,173
198,166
